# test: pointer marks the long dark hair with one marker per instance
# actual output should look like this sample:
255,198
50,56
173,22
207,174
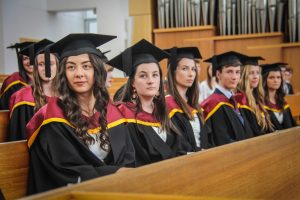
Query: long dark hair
38,93
22,70
71,107
159,112
279,97
192,94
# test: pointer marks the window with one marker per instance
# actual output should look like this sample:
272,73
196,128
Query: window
90,21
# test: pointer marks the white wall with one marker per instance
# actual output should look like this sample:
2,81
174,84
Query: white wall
112,17
32,19
1,38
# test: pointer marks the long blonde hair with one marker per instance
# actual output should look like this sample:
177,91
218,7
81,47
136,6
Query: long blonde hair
255,98
38,93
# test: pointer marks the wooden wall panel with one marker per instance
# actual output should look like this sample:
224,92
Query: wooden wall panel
138,7
291,55
167,38
142,27
143,15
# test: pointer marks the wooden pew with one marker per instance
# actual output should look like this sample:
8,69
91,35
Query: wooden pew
294,102
128,196
13,169
3,77
265,167
4,120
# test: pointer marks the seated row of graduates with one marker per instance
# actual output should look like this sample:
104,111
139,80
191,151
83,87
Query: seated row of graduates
75,132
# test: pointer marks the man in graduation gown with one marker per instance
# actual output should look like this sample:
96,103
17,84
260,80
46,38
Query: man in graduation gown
221,111
17,80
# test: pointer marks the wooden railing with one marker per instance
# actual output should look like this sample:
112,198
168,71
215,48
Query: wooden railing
14,164
294,102
4,120
265,167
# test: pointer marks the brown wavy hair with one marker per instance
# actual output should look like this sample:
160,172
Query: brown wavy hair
192,94
255,98
70,105
38,93
159,112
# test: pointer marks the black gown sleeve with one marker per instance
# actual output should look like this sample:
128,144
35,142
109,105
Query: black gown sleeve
58,157
4,100
18,121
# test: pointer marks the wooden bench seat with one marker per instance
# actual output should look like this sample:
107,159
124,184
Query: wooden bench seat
129,196
14,160
294,102
265,167
4,120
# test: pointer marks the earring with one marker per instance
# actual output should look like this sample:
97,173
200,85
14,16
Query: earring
134,95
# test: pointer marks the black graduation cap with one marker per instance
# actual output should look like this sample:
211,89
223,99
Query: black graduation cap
251,60
141,52
19,47
37,48
103,56
79,43
184,52
228,58
271,67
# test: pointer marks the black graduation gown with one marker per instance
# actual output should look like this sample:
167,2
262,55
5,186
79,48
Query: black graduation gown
21,106
58,157
288,120
181,121
220,116
249,114
10,85
149,147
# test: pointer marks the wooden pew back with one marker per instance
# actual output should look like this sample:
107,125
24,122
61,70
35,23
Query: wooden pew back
3,77
4,120
294,102
265,167
128,196
14,169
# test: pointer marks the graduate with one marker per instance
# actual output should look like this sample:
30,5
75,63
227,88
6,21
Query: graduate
277,107
154,137
182,101
28,100
221,111
80,135
109,69
19,79
250,96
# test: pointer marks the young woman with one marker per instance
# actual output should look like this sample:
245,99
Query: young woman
79,135
19,79
278,109
183,107
208,86
250,96
144,107
28,100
